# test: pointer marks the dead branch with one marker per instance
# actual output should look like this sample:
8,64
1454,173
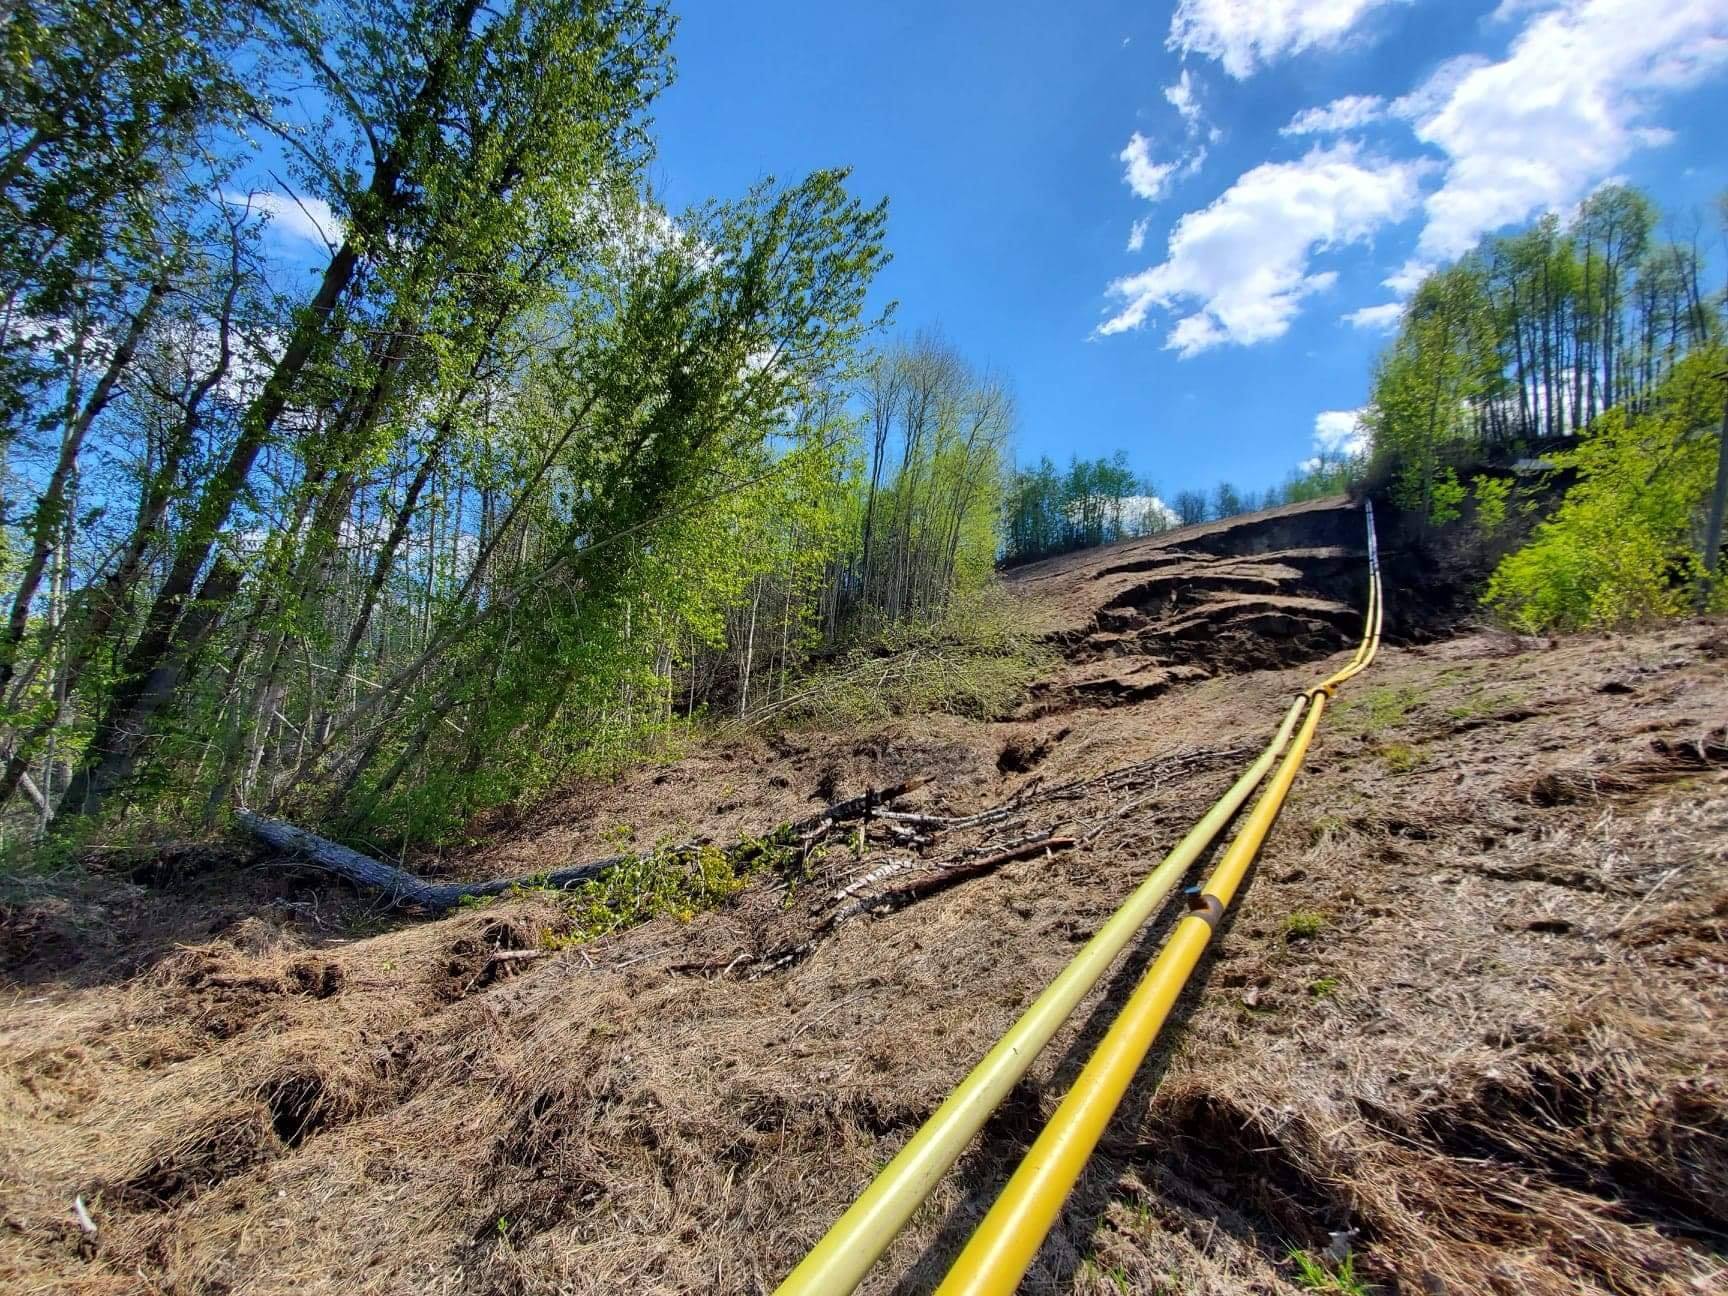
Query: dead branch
940,877
918,888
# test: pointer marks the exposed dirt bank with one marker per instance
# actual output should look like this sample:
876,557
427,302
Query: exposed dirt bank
1469,1005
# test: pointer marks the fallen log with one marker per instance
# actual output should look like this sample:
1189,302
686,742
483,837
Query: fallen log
408,890
308,849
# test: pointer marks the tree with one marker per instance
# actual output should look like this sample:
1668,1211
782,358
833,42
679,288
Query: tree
1191,507
467,167
1623,544
1226,501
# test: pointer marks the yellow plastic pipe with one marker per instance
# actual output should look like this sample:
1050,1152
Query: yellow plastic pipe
1004,1245
858,1238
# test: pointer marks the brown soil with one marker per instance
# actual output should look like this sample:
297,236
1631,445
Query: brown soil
1468,1006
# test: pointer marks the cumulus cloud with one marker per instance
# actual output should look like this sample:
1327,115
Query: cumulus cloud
1147,513
1137,233
1245,35
1140,173
1377,319
1408,277
1242,263
1570,102
1340,115
307,220
1339,434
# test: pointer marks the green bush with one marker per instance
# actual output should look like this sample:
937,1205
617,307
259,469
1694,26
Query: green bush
1623,545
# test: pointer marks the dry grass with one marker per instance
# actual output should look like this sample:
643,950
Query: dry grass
1514,1085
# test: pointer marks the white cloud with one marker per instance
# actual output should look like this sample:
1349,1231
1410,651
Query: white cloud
1433,93
1145,513
1140,173
1247,34
1244,260
309,220
1185,100
1408,277
1340,115
1137,233
1340,434
1380,319
1568,104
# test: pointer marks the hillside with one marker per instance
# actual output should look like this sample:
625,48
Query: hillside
1465,1013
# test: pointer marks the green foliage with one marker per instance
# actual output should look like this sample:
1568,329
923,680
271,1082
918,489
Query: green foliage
1303,924
1095,502
1324,987
1444,358
1530,338
1446,497
1317,1275
1321,477
1492,495
977,661
1400,758
1623,545
675,882
1377,710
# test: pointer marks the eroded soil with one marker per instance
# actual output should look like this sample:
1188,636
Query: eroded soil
1467,1010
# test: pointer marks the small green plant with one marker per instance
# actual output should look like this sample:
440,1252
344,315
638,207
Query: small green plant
1325,826
1400,758
1304,924
1447,498
1315,1275
618,836
1324,987
669,881
1115,1275
1492,494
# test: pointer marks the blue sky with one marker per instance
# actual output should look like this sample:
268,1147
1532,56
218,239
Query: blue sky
1019,143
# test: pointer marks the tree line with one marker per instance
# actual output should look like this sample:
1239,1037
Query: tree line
1564,388
1100,501
1521,344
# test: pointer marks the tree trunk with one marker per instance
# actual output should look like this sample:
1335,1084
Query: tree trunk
45,521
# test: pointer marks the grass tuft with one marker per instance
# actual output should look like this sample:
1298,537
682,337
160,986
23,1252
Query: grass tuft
1304,924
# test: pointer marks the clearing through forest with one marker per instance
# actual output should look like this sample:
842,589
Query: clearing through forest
1464,1018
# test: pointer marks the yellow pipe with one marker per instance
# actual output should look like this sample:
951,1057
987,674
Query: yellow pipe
1004,1245
844,1255
860,1236
1002,1249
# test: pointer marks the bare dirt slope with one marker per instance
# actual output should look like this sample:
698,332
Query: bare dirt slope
1470,1004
